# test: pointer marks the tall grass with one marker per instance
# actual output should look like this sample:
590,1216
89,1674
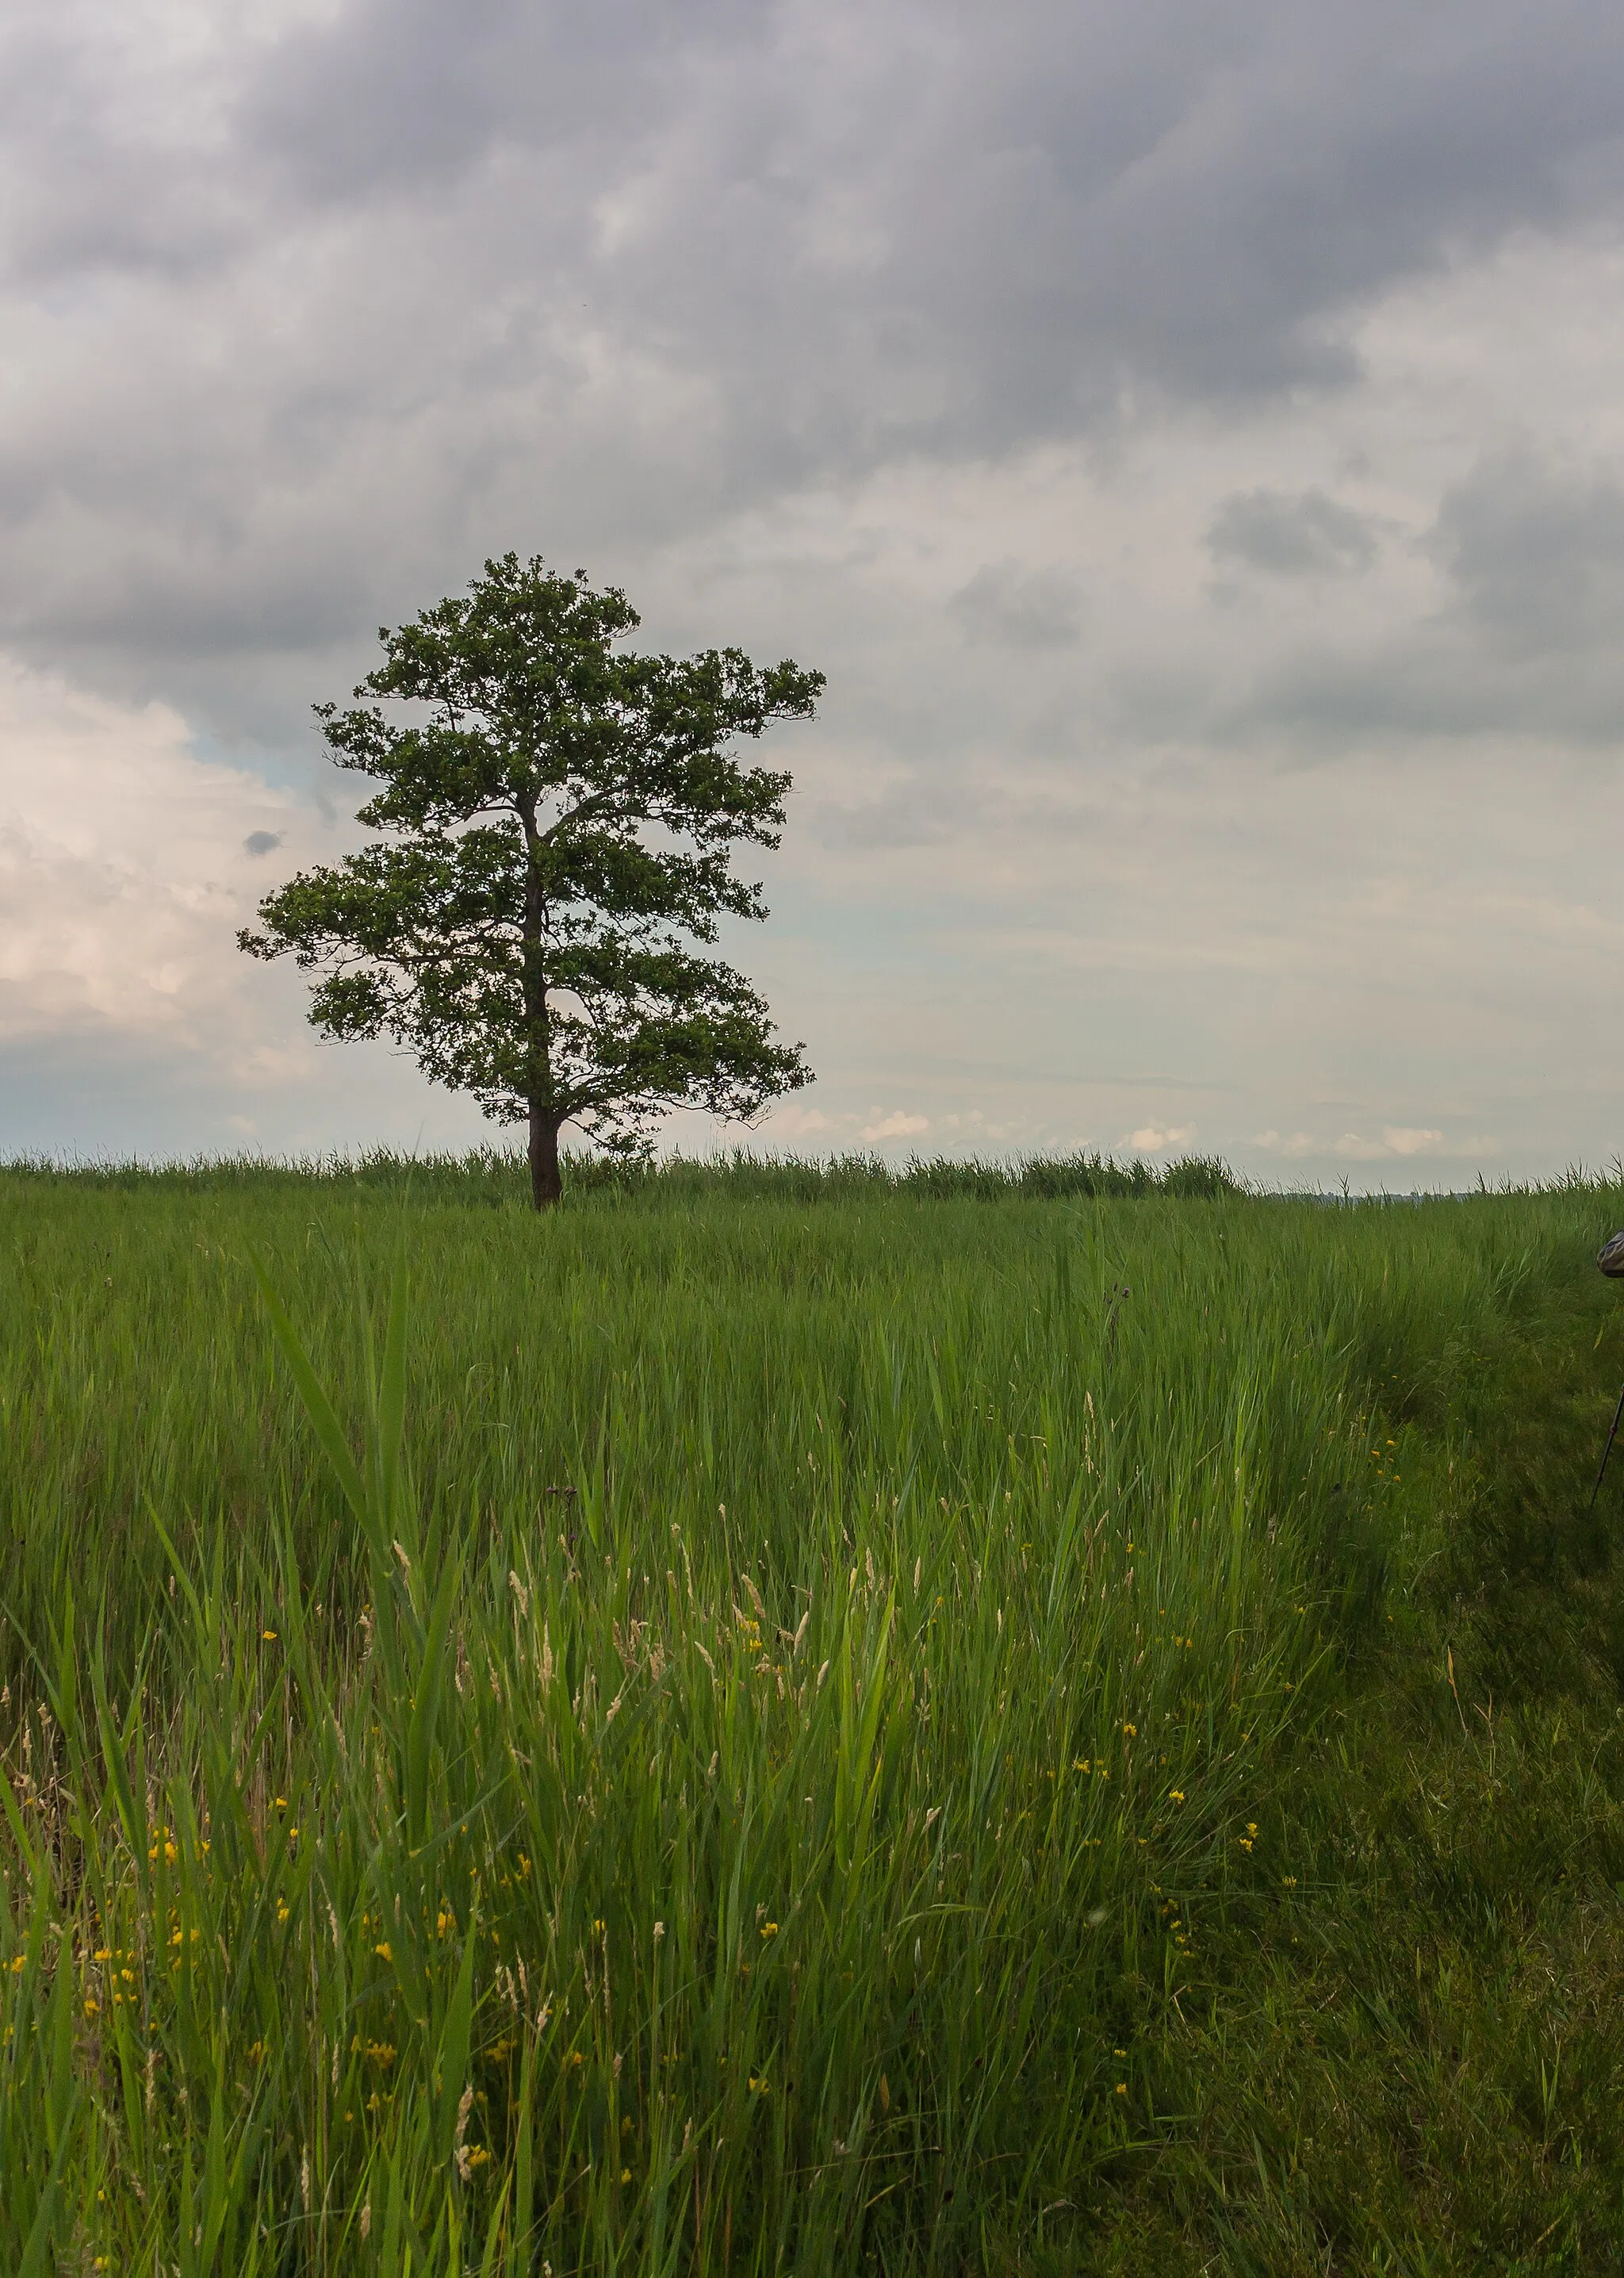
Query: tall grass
499,1176
660,1739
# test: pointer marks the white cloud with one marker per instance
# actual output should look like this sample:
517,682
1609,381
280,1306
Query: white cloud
793,1120
897,1124
1356,1149
1150,1140
1404,1141
1293,1145
128,1018
1396,1141
124,868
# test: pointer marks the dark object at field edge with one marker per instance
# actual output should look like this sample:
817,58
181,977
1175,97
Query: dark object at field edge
1610,1257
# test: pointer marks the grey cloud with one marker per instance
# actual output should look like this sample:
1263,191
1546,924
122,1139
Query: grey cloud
1537,551
1522,642
1439,683
907,814
1527,644
310,314
1308,534
1034,609
1043,198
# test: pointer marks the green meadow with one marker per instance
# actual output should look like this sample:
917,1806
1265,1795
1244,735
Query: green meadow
797,1719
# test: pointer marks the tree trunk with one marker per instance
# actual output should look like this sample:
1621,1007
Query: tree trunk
546,1185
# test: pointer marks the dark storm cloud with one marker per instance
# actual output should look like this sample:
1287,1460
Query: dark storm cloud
1306,535
307,310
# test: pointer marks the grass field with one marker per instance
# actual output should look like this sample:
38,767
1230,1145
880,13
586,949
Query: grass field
772,1721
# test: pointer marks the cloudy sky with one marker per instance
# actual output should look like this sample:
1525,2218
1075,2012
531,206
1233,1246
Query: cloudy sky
1190,439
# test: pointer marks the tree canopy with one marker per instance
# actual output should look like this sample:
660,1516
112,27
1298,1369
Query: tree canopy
558,819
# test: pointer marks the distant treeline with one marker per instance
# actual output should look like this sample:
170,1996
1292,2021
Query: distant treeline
498,1175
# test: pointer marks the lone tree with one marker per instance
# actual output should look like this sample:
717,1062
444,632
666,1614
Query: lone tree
563,821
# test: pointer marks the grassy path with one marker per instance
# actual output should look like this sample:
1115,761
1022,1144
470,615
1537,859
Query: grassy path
1405,2052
